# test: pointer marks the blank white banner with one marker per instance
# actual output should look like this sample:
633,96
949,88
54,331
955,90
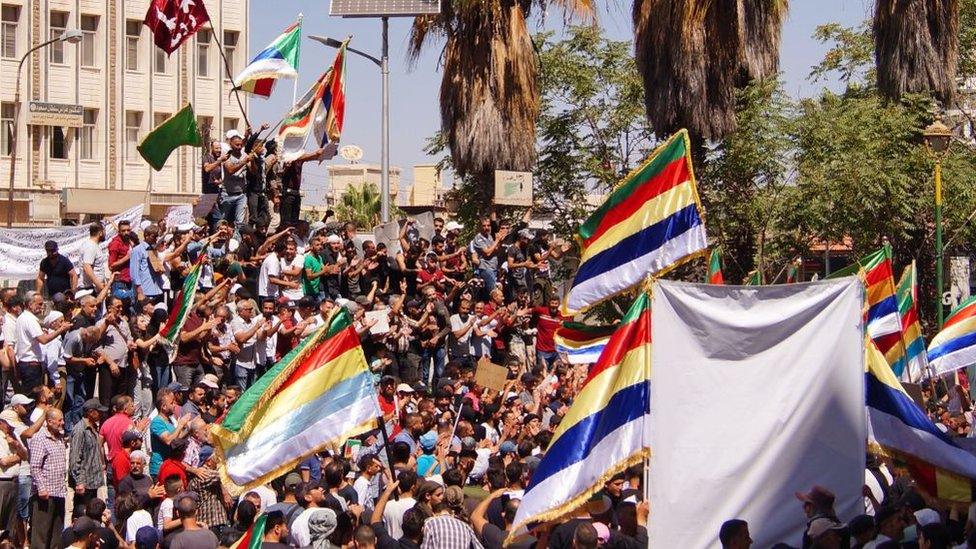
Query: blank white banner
756,393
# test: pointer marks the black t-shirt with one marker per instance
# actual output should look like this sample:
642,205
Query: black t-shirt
57,270
291,176
207,185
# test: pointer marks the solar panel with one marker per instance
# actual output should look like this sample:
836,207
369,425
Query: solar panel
384,8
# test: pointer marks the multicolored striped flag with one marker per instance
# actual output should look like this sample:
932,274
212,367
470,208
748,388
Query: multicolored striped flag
955,346
582,343
278,60
754,278
715,267
253,537
908,361
649,224
317,396
603,432
899,428
883,321
320,111
182,307
793,272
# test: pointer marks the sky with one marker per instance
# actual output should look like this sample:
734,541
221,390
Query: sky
414,113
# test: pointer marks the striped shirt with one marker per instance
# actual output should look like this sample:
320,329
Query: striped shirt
447,532
48,464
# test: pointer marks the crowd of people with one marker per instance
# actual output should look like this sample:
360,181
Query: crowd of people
106,430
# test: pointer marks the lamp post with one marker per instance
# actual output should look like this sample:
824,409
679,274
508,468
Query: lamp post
71,36
937,138
384,64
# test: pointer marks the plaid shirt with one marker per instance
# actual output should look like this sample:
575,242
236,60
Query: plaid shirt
48,464
210,510
447,532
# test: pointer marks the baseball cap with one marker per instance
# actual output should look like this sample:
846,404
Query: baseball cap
293,480
130,436
428,440
818,495
927,516
94,404
232,134
602,532
404,388
333,239
508,447
20,399
453,226
177,387
147,537
205,452
821,526
53,317
210,380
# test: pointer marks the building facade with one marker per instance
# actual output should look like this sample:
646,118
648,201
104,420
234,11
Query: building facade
343,176
125,87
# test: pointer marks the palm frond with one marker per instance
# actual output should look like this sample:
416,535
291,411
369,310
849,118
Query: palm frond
916,46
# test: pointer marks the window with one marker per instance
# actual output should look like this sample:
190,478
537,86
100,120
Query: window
229,124
89,30
203,53
133,125
6,128
58,142
87,137
161,61
8,31
133,30
205,124
59,24
230,47
160,117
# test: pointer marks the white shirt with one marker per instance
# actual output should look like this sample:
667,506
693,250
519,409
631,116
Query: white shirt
93,254
9,329
462,346
393,515
52,353
299,528
28,329
138,519
271,266
362,491
246,358
292,293
165,512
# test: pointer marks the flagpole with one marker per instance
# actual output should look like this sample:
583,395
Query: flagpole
294,87
237,94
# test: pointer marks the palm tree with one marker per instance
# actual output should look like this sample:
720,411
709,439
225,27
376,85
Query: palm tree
692,54
916,46
360,204
489,96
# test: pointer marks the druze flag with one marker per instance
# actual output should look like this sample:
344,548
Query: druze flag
179,129
173,21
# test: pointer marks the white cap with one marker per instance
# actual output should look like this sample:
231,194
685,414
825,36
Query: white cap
82,293
404,388
160,307
453,226
210,380
314,227
53,317
232,134
234,288
186,227
924,517
333,239
232,245
20,399
144,224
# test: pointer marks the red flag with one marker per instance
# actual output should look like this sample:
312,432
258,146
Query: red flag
173,21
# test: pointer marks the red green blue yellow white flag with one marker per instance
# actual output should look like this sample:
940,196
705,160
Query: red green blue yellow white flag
899,428
715,267
317,396
883,321
297,124
649,224
278,60
909,360
603,432
582,343
954,347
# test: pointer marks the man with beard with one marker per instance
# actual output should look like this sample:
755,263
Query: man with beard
48,461
93,259
413,427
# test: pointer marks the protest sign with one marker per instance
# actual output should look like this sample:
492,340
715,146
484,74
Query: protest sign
21,250
179,215
389,234
382,325
490,375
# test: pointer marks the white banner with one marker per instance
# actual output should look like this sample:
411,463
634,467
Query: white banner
178,215
757,393
21,250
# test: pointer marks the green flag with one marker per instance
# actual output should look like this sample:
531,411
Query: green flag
179,129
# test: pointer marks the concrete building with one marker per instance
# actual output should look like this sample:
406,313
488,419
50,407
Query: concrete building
343,176
125,86
427,189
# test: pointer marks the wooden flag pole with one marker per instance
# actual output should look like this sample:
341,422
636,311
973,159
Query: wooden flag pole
223,56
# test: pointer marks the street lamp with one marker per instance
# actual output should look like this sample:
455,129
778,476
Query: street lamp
71,36
937,139
384,64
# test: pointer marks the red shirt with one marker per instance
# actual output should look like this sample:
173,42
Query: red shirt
191,351
172,467
426,277
121,465
117,249
111,431
546,325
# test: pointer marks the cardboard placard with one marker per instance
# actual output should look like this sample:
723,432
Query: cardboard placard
513,188
490,375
